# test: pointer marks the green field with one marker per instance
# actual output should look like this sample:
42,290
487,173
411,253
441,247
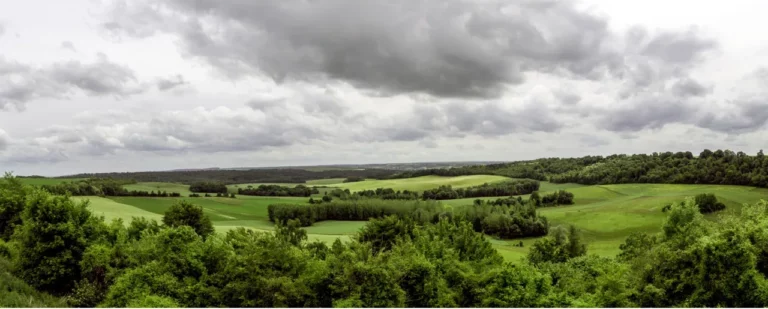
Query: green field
606,214
420,183
112,210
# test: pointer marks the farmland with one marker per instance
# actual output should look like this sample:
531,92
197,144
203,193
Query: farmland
606,214
623,233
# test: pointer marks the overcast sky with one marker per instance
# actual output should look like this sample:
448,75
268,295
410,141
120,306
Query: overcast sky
96,86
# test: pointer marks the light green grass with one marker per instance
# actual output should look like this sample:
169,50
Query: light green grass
421,183
606,214
159,187
217,208
47,181
251,214
112,210
324,182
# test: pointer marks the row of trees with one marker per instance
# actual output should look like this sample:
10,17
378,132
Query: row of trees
391,262
559,197
208,187
509,188
231,195
503,221
102,187
261,175
380,193
354,210
354,179
276,190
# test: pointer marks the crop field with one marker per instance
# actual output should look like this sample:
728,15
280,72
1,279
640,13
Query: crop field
606,214
420,183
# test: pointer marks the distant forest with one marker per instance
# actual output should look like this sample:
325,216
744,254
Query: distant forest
241,176
709,167
723,167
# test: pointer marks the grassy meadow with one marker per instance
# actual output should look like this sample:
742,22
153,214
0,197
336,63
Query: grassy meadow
606,214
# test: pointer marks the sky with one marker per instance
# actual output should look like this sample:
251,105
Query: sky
113,86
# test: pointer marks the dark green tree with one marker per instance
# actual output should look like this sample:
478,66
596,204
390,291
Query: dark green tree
185,213
52,239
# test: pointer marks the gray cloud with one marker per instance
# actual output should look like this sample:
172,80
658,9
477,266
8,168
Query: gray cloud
165,84
459,119
678,47
745,115
688,87
461,49
5,140
199,130
2,29
651,112
593,140
21,83
68,45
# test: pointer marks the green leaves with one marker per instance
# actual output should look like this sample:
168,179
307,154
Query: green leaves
184,213
51,241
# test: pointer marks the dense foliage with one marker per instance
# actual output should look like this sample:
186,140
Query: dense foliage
380,193
708,203
504,221
102,187
266,175
354,210
276,190
354,179
208,187
183,213
718,167
508,188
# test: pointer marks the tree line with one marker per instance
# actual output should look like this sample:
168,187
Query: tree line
265,175
380,193
504,221
277,190
391,262
208,187
508,188
102,187
723,167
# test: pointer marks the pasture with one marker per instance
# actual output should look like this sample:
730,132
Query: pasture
606,214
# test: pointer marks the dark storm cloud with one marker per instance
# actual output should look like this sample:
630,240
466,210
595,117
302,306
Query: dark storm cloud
20,83
446,49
